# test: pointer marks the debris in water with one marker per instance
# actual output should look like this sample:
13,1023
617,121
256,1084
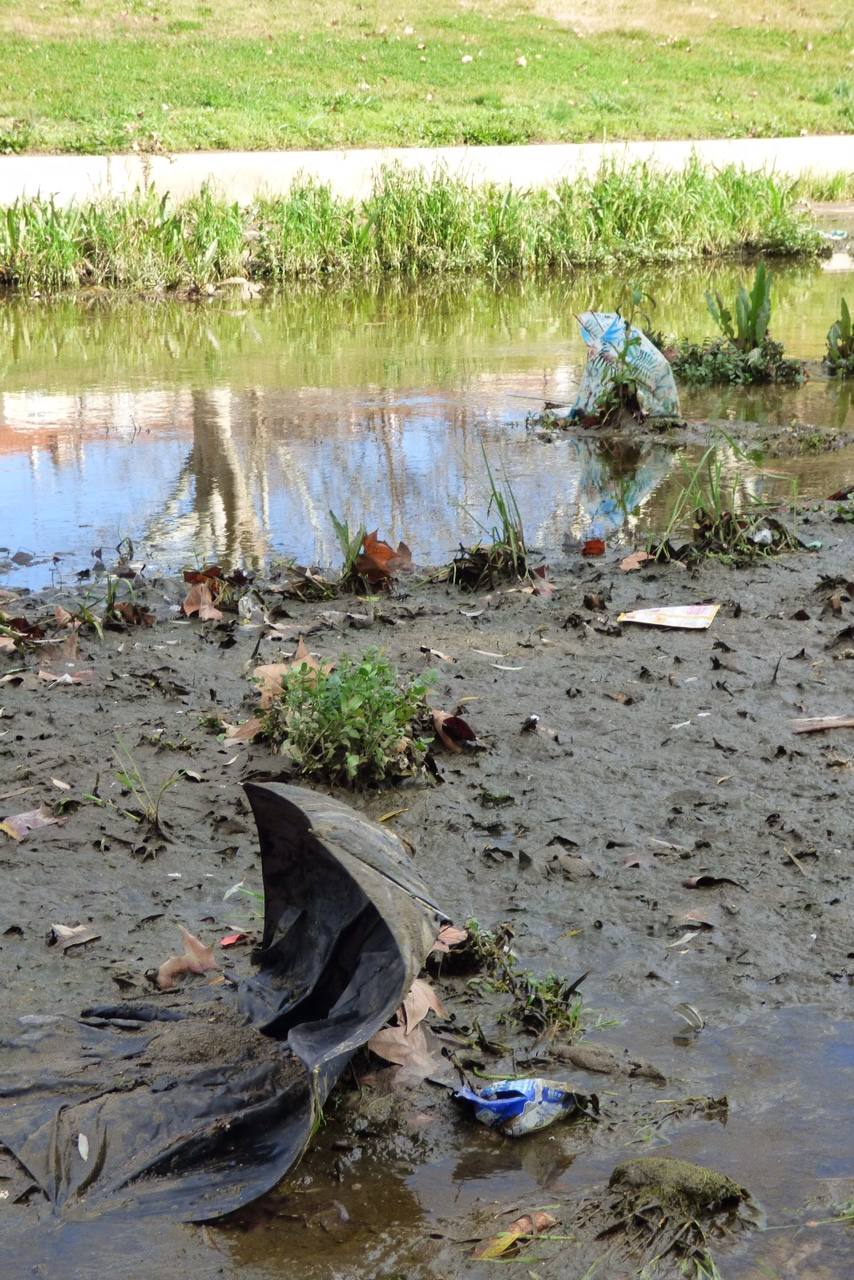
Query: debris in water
517,1107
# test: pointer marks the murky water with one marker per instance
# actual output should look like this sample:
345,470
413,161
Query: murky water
228,431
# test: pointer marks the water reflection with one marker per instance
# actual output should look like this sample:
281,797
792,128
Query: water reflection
206,431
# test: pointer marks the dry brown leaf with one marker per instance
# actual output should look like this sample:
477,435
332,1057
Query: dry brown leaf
7,644
197,958
378,562
635,560
63,618
452,731
418,1003
270,675
530,1224
236,734
410,1052
71,936
199,600
21,824
449,936
67,677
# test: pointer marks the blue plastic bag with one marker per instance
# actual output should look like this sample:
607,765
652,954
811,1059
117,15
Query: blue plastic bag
516,1107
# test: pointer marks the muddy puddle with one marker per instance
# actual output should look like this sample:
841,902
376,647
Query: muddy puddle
227,431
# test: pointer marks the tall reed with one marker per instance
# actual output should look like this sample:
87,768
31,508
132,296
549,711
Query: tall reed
409,225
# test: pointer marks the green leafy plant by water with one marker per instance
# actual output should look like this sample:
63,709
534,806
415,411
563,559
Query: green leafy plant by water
358,724
708,504
745,353
839,357
502,553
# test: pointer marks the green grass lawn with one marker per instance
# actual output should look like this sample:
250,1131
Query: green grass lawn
97,75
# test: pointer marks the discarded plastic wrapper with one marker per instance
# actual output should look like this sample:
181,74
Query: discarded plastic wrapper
517,1107
609,340
694,617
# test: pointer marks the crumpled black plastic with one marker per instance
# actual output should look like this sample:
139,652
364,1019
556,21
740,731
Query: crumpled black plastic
193,1105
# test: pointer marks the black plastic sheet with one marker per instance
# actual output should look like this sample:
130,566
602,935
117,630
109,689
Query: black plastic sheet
194,1104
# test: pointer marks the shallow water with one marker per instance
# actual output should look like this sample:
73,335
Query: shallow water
227,430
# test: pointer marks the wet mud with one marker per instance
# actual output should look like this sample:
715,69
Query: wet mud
662,826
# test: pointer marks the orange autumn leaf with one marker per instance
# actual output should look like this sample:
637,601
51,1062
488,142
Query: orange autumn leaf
197,958
634,561
238,734
530,1224
378,562
593,547
452,730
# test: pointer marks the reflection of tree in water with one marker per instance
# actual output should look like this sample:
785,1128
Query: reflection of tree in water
221,522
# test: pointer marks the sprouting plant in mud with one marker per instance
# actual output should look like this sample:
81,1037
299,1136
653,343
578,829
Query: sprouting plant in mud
734,527
349,545
358,724
147,799
745,353
546,1005
839,357
502,554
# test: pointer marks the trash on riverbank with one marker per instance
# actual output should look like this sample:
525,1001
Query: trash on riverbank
517,1107
229,1078
691,617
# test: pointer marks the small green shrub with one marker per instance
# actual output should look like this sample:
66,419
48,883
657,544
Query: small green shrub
356,725
745,353
720,361
840,344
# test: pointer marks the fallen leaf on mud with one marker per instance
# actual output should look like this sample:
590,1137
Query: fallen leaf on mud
22,823
62,617
706,881
241,733
66,936
698,919
524,1228
418,1003
63,786
488,653
67,677
83,1146
133,615
270,675
684,940
629,563
593,547
499,667
378,562
449,936
818,724
410,1052
436,653
199,600
452,731
638,860
232,939
539,583
7,644
197,958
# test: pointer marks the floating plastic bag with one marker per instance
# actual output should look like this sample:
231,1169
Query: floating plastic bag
606,334
516,1107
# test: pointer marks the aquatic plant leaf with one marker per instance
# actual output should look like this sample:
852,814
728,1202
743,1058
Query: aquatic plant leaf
21,824
197,958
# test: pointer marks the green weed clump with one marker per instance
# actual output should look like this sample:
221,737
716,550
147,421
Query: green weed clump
745,353
357,725
839,357
722,526
502,554
409,225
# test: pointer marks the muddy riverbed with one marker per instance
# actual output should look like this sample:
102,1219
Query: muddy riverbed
658,756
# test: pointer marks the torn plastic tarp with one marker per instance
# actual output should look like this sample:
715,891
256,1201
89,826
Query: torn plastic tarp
194,1104
606,335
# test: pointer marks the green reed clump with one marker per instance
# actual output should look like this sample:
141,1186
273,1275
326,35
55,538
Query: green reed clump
409,225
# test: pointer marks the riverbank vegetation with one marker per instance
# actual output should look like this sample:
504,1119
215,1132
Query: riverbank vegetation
171,75
408,225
